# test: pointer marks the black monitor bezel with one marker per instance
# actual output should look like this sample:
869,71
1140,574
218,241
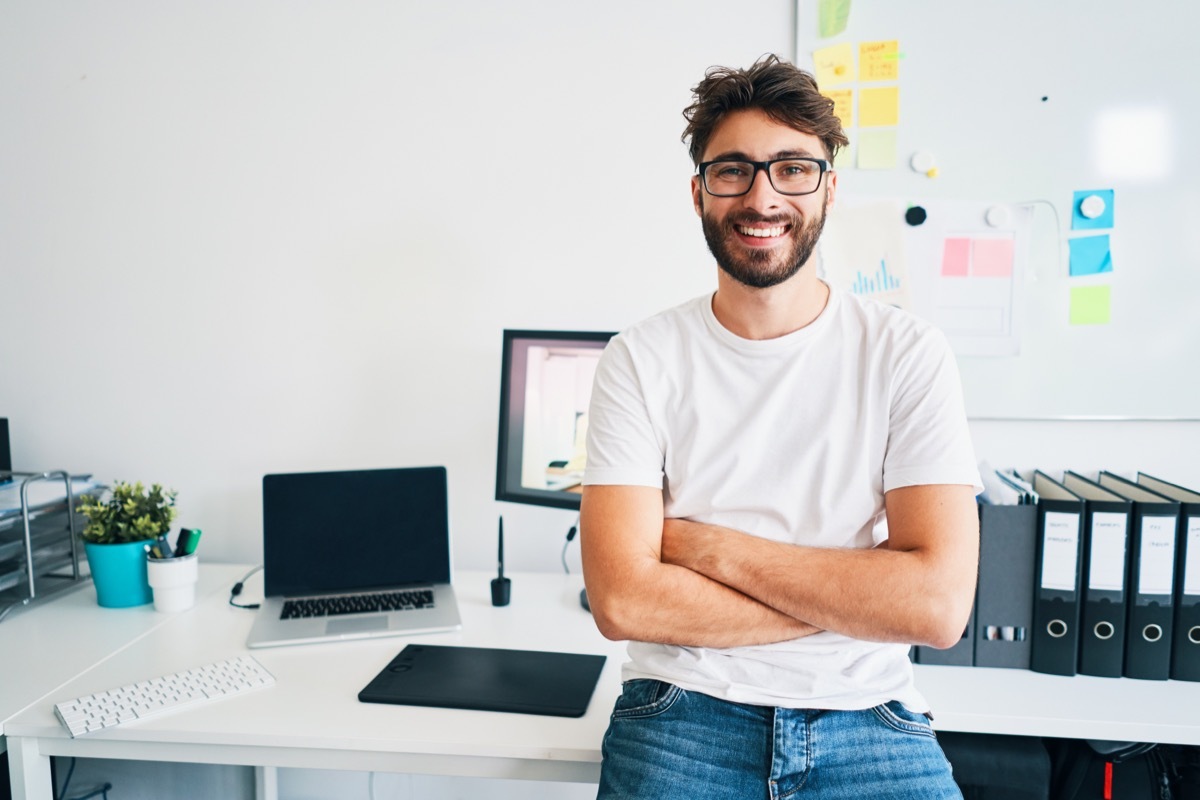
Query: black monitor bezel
536,497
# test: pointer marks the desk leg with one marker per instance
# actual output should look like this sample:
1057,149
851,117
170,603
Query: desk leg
29,770
266,783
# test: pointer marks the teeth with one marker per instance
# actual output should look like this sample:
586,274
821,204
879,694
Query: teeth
763,233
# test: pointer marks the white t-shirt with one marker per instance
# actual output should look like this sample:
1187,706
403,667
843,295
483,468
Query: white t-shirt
794,439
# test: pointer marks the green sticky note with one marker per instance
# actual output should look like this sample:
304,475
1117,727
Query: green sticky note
832,16
1090,305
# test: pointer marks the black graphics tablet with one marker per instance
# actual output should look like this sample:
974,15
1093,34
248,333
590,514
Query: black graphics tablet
484,679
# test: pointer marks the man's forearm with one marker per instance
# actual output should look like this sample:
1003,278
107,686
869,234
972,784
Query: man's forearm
671,604
876,594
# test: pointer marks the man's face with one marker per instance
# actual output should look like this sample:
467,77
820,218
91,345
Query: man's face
762,238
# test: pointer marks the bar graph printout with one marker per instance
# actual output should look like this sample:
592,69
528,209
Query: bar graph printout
862,251
941,260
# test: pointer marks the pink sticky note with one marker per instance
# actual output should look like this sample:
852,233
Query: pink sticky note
992,258
956,254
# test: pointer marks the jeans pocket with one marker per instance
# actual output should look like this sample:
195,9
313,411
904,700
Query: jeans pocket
895,715
645,697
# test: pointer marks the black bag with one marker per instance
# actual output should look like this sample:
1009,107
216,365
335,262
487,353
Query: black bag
1096,770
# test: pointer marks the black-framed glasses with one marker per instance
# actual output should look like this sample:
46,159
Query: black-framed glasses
791,176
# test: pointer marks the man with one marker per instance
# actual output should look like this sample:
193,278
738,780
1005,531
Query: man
780,493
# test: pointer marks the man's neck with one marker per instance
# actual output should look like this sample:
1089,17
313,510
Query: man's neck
773,312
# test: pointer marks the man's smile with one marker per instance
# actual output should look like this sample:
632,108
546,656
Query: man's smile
759,232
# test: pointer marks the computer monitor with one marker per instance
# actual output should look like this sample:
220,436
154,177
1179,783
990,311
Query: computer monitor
545,386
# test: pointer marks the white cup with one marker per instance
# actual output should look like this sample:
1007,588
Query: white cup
173,581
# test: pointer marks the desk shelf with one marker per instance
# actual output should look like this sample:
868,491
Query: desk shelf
39,542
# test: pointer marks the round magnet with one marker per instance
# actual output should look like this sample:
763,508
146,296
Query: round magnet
1092,206
922,162
997,217
915,215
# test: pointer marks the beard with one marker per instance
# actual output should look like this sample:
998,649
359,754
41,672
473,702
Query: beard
761,269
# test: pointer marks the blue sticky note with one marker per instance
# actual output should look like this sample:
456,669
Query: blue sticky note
1090,255
1080,223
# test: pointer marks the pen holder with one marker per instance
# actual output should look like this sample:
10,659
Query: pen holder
173,581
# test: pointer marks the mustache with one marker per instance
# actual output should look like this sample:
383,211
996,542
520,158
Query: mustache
752,218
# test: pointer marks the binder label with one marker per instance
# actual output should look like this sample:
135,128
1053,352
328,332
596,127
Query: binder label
1106,567
1191,566
1157,566
1060,550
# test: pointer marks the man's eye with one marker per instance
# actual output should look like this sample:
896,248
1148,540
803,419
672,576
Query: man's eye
731,172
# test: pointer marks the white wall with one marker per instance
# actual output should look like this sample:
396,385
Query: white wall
243,237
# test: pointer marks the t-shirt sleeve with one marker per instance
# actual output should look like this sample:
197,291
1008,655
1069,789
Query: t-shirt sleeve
622,446
928,438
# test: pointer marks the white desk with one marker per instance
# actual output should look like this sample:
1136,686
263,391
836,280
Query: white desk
46,646
311,717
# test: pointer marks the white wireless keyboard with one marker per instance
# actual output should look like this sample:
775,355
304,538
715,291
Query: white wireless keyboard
95,712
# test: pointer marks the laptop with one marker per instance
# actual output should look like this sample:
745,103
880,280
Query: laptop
355,555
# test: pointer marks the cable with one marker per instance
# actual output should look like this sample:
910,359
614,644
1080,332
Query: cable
70,771
237,589
570,535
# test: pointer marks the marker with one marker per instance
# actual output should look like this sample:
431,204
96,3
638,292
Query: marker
185,545
501,586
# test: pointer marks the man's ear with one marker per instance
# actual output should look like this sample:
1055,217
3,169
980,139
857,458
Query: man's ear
697,196
830,189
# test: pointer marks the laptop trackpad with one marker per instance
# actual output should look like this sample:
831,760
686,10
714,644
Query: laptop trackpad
351,625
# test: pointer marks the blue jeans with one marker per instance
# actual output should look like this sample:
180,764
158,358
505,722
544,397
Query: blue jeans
664,742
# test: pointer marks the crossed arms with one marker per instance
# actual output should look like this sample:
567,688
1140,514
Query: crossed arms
673,581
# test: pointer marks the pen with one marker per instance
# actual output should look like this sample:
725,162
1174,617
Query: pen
501,586
161,547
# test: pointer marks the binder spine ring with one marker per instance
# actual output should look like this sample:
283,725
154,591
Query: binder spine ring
1104,630
1056,628
1194,635
1152,633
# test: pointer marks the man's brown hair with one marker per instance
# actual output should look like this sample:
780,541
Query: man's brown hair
781,90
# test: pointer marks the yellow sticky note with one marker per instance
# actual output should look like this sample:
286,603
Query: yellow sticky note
843,105
834,65
879,61
877,149
878,107
1091,305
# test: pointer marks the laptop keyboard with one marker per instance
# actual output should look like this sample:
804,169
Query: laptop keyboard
409,599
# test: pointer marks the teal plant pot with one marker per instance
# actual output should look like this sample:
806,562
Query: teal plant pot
119,573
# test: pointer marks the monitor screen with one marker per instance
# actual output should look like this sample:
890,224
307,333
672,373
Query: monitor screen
545,386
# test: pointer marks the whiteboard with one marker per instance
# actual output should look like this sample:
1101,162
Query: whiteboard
1026,102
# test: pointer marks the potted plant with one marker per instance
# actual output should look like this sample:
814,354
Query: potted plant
116,535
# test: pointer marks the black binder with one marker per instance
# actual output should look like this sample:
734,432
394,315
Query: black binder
1004,598
1057,589
1151,620
1185,644
1105,581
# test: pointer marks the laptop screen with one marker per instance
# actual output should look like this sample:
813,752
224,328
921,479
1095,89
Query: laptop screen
355,530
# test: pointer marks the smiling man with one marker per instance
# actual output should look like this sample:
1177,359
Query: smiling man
779,496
